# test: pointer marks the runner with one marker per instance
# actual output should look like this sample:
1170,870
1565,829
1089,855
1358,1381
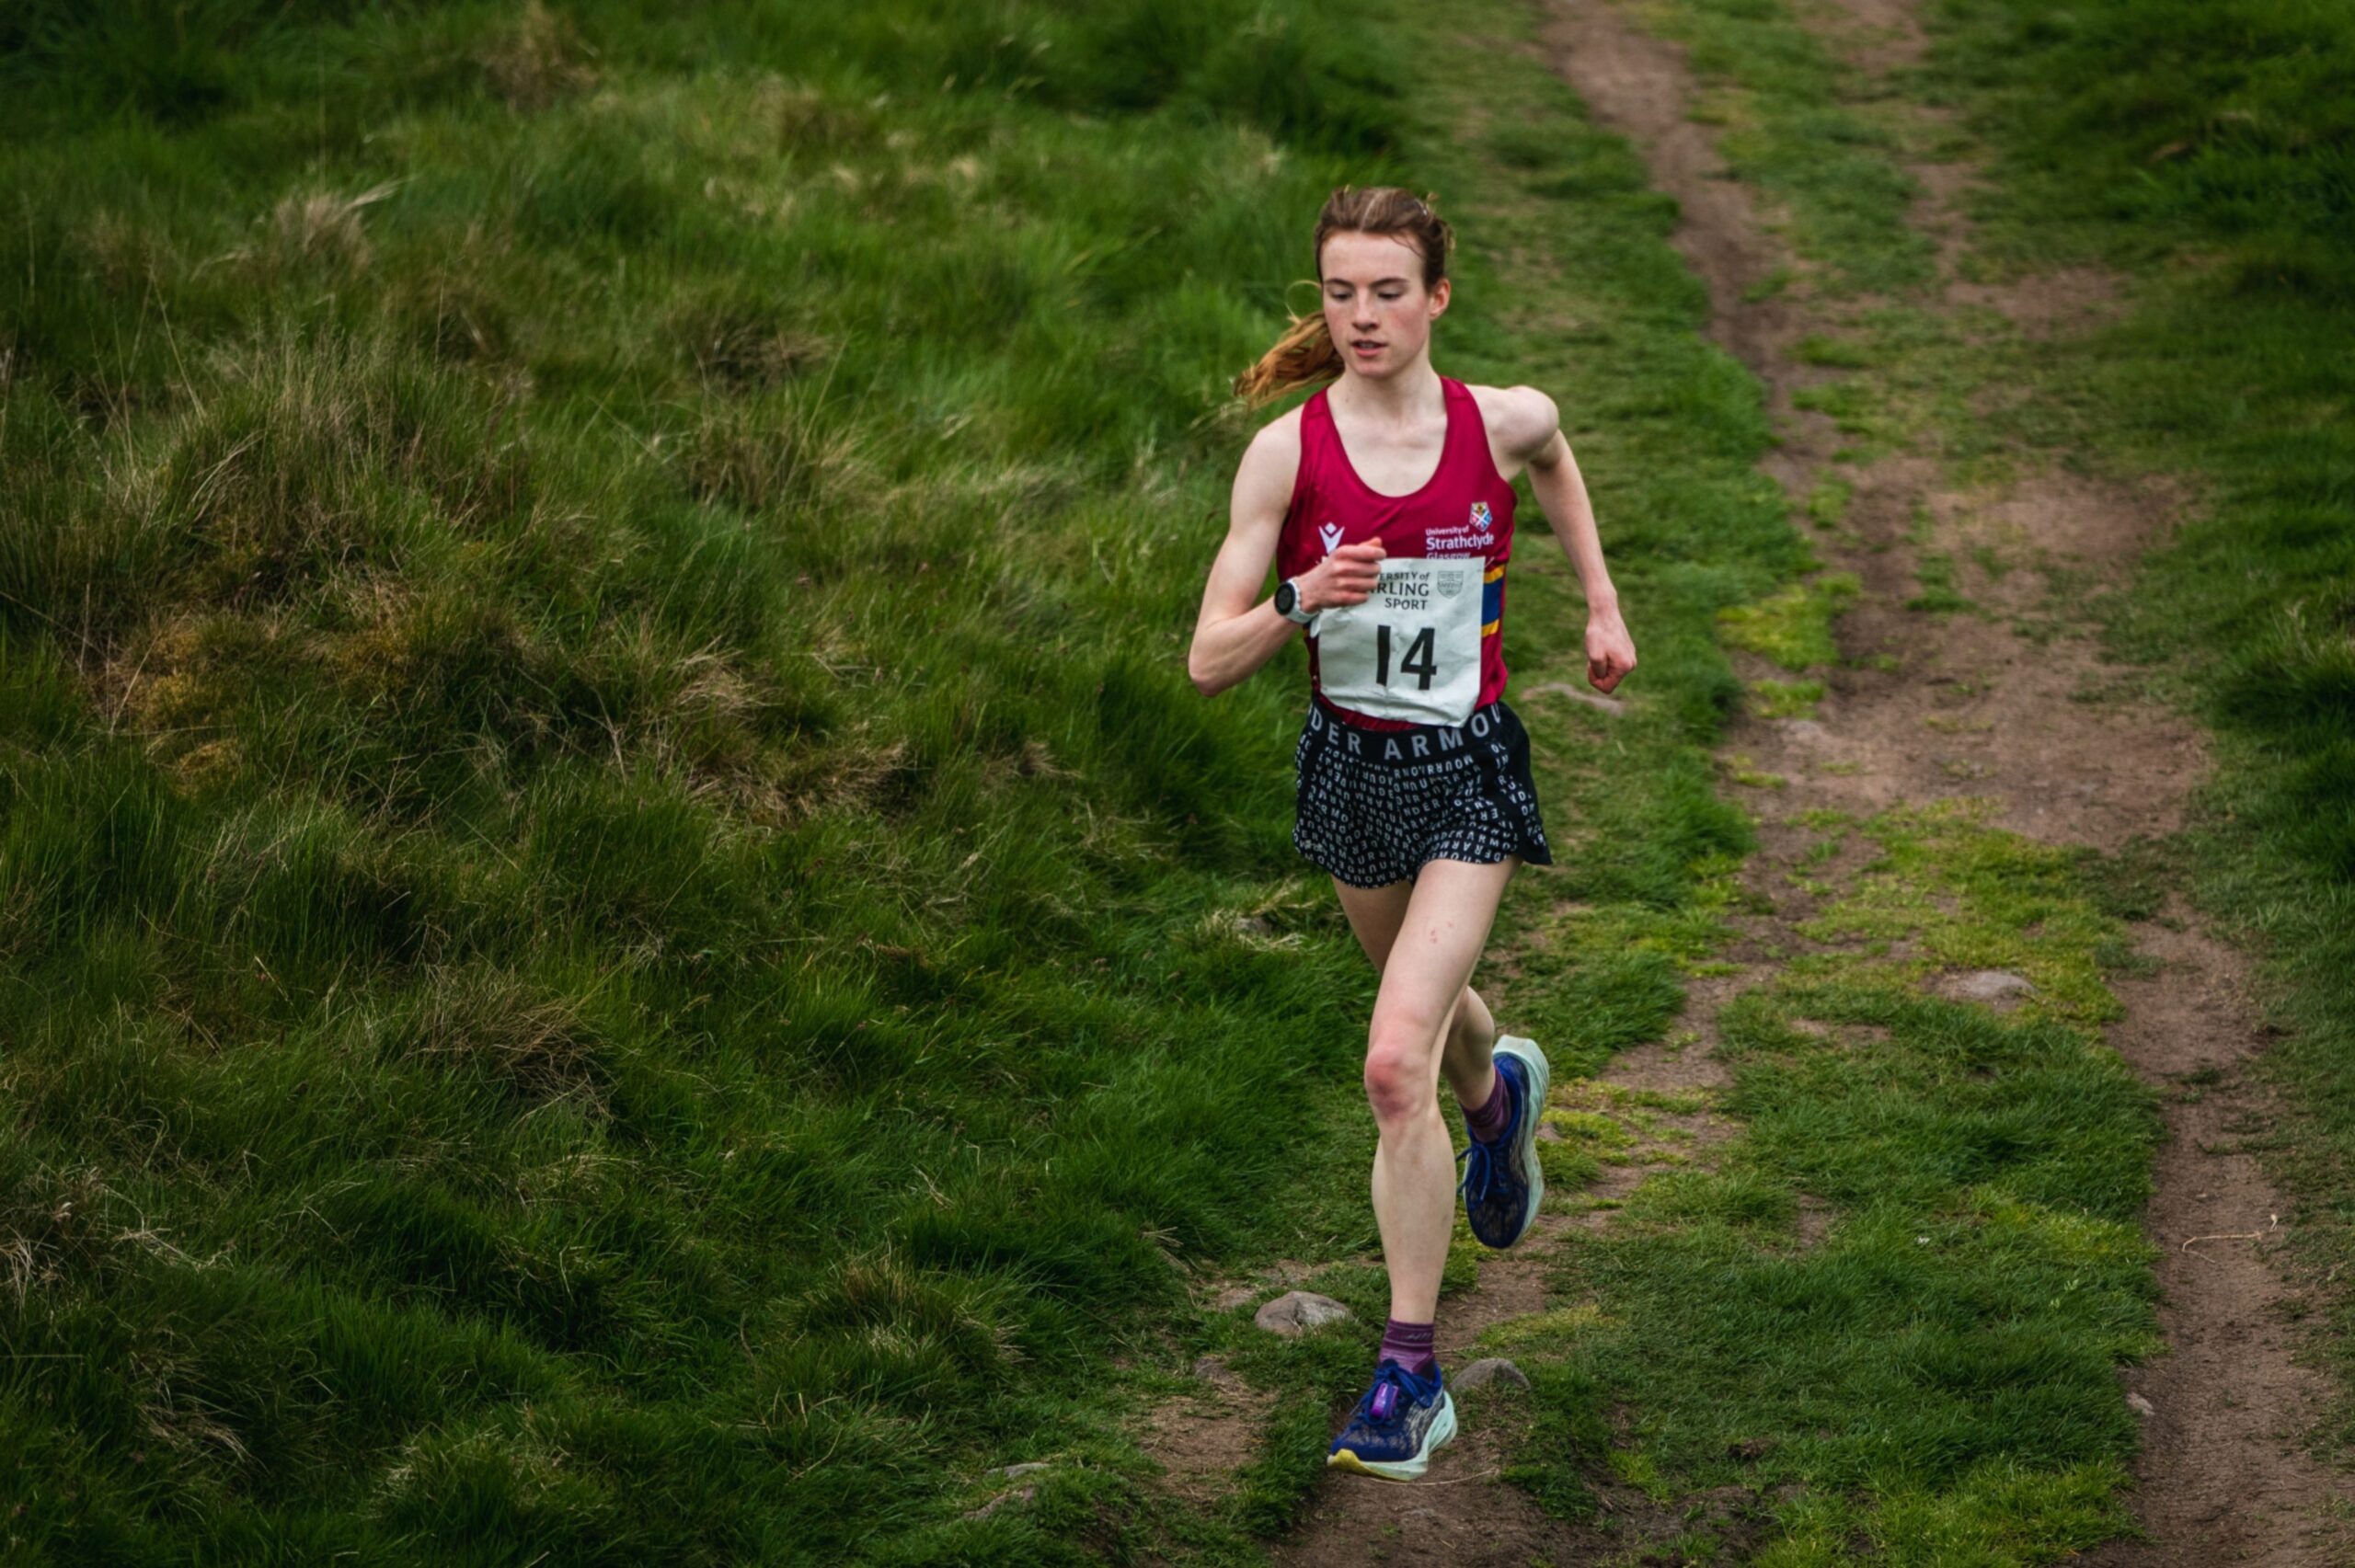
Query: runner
1386,501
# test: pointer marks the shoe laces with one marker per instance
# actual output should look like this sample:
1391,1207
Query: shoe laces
1479,1171
1393,1381
1480,1160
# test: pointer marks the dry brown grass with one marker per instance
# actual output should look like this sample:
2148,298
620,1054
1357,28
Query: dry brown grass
537,60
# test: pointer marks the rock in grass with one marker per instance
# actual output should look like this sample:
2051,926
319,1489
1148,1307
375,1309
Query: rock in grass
1019,1494
1297,1311
1591,699
1011,1471
2140,1405
1490,1369
1989,985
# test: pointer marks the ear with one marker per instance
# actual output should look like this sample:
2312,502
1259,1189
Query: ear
1440,297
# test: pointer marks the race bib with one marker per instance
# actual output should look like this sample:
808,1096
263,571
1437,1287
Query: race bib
1411,651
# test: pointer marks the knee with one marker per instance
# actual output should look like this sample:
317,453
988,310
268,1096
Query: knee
1398,1075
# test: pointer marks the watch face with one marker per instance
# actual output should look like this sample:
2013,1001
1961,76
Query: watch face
1286,595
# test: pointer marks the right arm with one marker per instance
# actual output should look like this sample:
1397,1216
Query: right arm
1237,631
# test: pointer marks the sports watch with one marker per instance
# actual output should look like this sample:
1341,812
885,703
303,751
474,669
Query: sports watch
1288,603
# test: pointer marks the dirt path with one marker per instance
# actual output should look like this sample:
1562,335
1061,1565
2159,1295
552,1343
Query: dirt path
1957,706
2221,1477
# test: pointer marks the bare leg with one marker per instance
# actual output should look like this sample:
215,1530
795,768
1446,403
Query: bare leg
1470,1053
1376,914
1447,920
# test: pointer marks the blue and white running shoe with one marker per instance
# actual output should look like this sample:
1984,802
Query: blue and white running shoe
1503,1184
1394,1427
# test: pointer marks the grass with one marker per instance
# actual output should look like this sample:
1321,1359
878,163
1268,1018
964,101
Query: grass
2207,149
626,942
1784,699
1793,626
1933,1378
2200,154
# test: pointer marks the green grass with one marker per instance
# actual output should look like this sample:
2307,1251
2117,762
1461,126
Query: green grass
1786,120
2205,151
1784,699
626,943
626,940
1792,628
1936,1374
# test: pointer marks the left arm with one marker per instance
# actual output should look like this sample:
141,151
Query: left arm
1534,434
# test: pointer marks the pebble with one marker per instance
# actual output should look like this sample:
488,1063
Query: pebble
1591,699
1297,1310
1019,1494
1489,1369
1989,985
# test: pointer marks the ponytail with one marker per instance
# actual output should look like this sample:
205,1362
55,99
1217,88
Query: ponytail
1304,356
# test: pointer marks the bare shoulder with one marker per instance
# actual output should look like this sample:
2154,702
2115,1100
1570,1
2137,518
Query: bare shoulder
1522,422
1279,437
1270,464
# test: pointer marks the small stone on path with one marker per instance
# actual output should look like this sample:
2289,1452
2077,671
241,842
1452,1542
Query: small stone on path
1989,985
1297,1310
1019,1494
1591,699
2140,1405
1490,1369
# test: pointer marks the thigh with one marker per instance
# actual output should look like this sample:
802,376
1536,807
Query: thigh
1376,914
1437,945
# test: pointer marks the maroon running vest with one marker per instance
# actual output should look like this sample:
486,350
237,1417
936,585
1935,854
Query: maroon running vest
1464,509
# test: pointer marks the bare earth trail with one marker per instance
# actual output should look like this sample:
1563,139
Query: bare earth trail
1954,705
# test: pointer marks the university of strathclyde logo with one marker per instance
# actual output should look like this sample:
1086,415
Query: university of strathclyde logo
1331,533
1479,514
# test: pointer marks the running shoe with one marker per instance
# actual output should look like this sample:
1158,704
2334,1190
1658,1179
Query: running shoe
1503,1184
1396,1425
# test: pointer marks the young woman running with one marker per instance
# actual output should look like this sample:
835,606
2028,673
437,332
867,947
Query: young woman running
1386,501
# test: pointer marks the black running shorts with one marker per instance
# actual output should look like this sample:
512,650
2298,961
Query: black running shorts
1373,805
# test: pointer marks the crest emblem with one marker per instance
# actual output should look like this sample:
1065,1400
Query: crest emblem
1448,580
1479,514
1331,533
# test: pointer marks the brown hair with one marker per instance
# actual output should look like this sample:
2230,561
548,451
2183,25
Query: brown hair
1306,354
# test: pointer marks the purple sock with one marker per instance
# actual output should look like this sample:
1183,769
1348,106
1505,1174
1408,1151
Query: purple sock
1410,1344
1488,1123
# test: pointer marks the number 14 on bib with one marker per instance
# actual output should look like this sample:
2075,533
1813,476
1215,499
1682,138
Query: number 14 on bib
1412,650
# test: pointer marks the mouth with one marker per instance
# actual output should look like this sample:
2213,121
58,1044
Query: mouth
1365,348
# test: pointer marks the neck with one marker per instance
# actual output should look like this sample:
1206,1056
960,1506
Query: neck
1395,400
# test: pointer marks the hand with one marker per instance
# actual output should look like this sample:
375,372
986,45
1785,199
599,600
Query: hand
1345,577
1610,651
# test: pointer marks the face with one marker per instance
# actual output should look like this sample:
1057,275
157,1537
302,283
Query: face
1375,304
